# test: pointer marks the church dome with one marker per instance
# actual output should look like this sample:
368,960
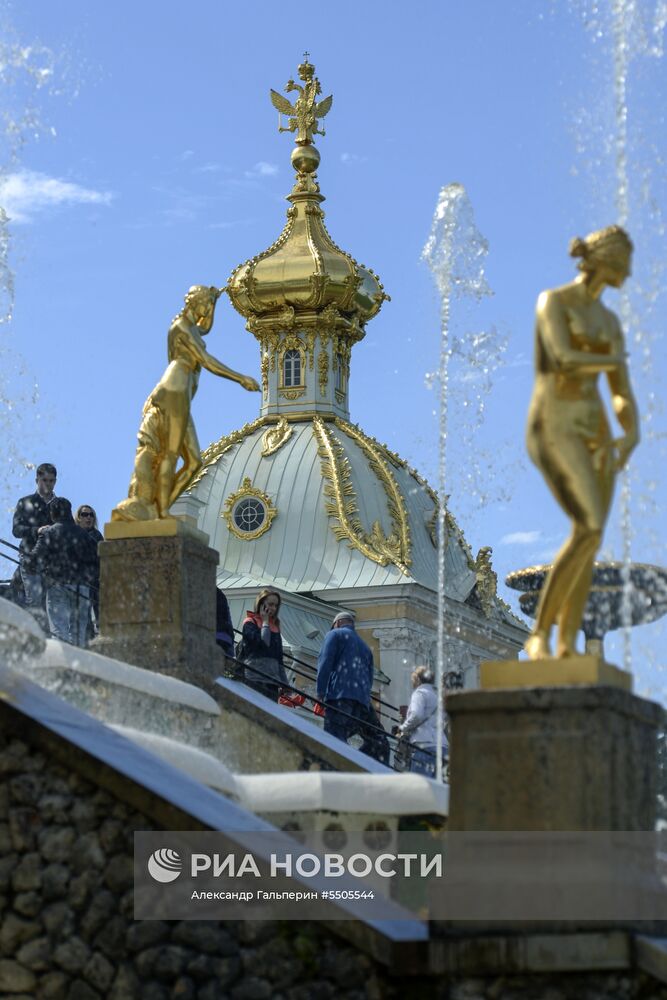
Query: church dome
316,505
302,496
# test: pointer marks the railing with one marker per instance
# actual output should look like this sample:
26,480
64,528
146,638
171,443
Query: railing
401,747
367,730
74,588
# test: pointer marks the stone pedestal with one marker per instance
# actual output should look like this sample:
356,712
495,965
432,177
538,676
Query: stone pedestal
588,669
579,758
157,599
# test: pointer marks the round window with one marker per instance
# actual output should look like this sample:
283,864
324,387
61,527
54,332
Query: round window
249,514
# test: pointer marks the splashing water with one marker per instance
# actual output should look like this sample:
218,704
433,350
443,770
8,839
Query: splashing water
27,73
621,13
617,140
25,70
455,252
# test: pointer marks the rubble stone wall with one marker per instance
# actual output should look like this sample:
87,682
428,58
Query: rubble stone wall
67,931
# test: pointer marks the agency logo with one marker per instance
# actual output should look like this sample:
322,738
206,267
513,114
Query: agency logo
165,865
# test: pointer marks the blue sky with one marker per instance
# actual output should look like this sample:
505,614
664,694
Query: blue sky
152,161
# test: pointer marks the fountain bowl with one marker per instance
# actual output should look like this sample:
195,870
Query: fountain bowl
609,605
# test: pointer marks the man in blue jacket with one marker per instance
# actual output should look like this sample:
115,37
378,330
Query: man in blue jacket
344,683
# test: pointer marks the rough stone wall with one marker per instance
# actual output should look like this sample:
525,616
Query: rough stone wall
66,901
67,933
609,986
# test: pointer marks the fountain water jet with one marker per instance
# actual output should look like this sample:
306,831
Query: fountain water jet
611,138
25,72
455,252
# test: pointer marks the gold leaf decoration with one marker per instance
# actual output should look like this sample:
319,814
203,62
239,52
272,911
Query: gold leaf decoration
211,455
342,507
275,437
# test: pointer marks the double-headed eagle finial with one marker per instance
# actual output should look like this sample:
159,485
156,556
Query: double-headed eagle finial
303,115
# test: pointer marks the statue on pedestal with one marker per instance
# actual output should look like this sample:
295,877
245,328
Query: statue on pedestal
568,436
167,432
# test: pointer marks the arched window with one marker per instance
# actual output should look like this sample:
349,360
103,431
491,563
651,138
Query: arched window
291,368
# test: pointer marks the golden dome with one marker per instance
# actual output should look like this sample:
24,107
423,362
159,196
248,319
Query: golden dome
304,273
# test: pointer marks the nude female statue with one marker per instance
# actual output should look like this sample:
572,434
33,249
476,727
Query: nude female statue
167,432
568,435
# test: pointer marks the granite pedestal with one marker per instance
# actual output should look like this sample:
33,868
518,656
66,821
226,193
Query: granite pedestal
550,790
580,757
157,599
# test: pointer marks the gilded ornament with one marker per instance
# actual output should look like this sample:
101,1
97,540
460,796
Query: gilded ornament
310,336
250,491
343,509
432,526
303,116
395,502
214,451
292,393
329,317
352,283
272,340
275,437
318,284
323,371
264,369
487,580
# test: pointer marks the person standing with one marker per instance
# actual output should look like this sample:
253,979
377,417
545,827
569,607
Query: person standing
224,628
66,557
344,683
86,518
421,723
32,517
262,646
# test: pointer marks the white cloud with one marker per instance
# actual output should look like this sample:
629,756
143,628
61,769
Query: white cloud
262,169
208,168
229,225
521,538
27,192
352,158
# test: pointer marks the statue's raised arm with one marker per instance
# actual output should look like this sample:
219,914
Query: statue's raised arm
569,438
167,433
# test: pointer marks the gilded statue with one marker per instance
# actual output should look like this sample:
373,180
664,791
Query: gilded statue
304,113
569,438
167,433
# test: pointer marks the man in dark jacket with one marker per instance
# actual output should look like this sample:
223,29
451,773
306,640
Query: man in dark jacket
31,517
66,557
344,683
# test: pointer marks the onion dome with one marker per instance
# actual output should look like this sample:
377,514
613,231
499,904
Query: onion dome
304,274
